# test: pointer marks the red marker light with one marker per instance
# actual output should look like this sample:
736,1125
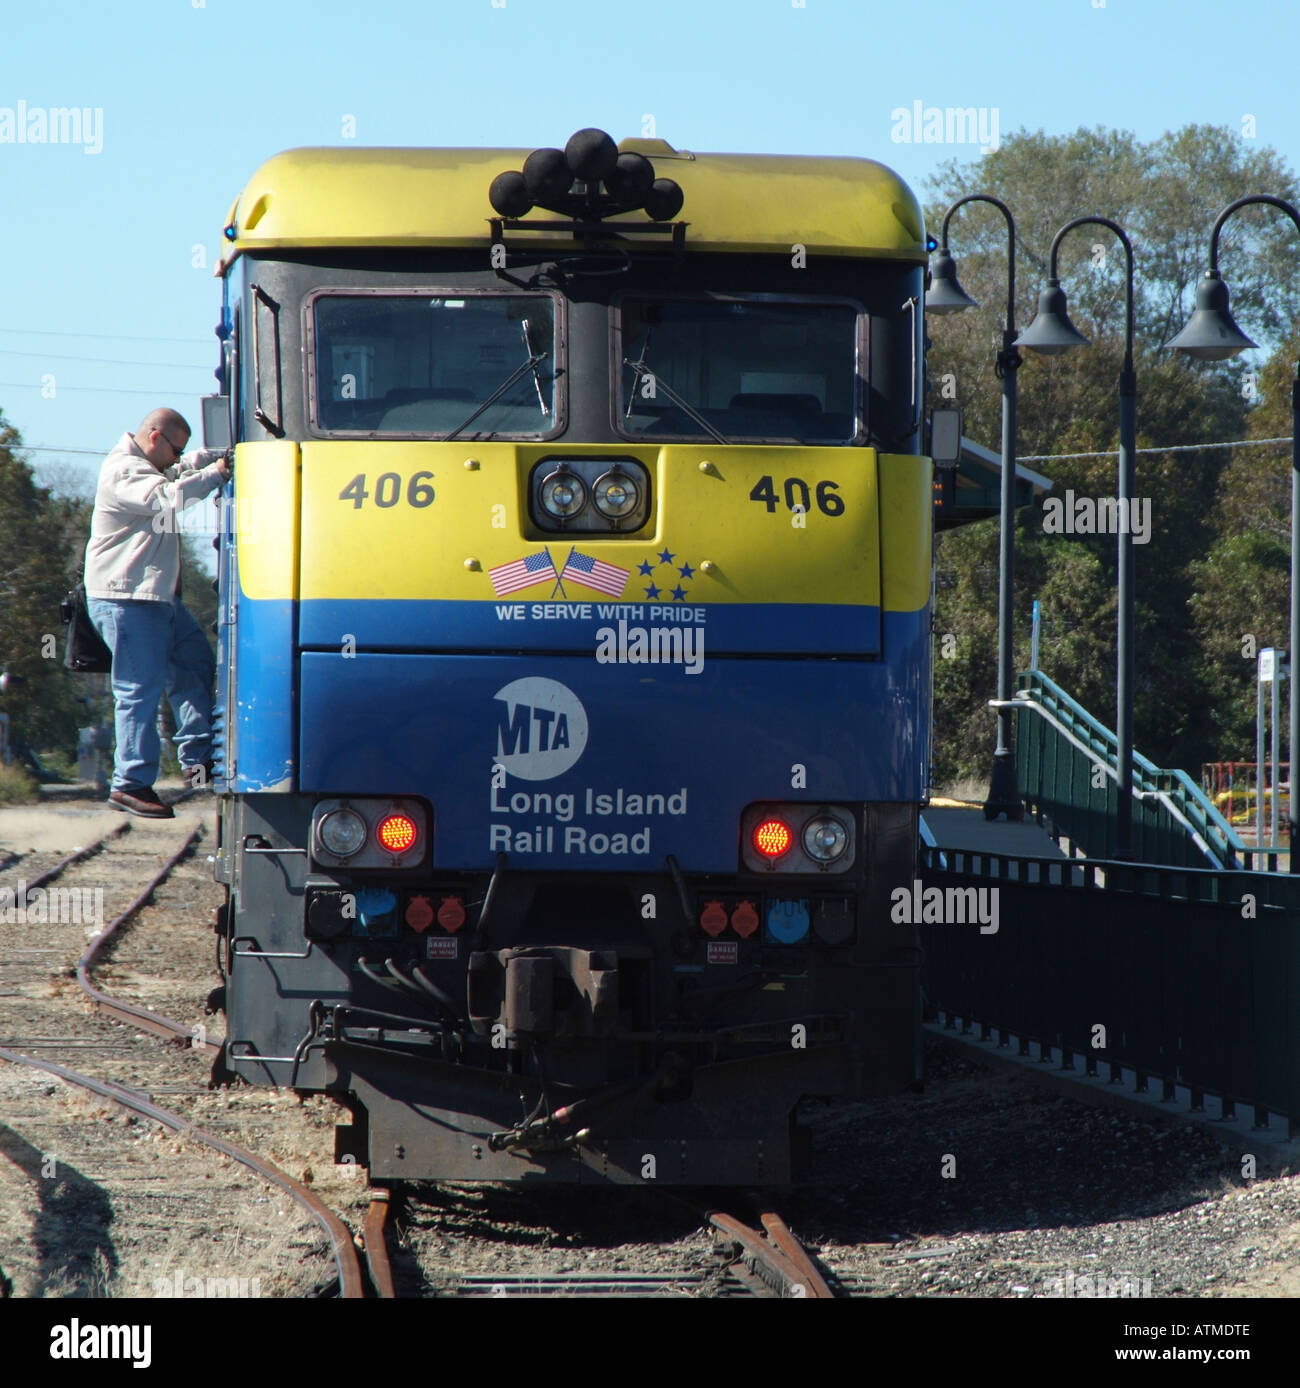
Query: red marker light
419,913
396,832
772,838
713,919
744,920
451,914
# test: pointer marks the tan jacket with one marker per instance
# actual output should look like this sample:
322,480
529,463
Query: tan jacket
135,548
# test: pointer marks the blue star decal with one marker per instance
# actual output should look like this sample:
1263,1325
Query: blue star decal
679,595
651,591
646,568
685,570
667,556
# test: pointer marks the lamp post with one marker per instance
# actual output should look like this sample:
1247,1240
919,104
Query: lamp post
1211,335
1052,332
945,295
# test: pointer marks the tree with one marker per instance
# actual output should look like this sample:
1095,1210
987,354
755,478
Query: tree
1165,194
1240,597
37,567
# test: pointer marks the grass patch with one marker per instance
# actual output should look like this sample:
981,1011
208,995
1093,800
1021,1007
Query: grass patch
17,785
59,763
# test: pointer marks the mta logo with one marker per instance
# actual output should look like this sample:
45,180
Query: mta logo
514,730
541,728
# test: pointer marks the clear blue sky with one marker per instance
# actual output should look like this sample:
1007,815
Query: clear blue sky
98,248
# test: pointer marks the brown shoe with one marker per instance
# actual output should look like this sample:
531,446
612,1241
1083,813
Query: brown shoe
142,802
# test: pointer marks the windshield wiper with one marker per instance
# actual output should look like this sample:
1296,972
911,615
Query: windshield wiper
641,369
537,375
535,359
640,361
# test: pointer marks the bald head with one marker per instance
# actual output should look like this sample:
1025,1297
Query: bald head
162,436
164,418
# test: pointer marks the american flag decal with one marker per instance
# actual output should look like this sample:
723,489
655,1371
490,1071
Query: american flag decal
595,573
522,573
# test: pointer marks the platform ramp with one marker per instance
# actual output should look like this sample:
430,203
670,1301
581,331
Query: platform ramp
1067,772
968,831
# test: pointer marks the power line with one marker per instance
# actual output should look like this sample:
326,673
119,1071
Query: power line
1170,448
110,361
97,390
106,337
49,448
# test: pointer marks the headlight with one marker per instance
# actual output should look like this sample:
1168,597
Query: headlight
563,494
588,493
824,838
342,832
793,838
616,494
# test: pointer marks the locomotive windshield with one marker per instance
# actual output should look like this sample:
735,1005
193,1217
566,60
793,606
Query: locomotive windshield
436,366
739,369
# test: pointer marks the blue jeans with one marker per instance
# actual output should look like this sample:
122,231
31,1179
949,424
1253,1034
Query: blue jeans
157,647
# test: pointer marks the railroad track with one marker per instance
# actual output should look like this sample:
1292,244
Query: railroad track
340,1237
772,1256
29,964
766,1261
602,1285
739,1260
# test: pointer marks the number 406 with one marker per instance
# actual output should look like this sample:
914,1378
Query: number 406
829,501
388,490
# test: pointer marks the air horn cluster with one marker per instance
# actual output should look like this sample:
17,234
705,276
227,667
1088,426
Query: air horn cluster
590,159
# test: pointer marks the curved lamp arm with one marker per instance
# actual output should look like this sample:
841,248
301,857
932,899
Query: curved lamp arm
1009,331
1128,287
1245,202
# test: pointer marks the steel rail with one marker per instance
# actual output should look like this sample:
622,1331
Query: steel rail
777,1252
381,1270
351,1285
340,1237
780,1234
144,1017
766,1258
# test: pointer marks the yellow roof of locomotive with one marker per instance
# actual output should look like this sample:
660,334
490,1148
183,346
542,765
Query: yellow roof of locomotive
340,197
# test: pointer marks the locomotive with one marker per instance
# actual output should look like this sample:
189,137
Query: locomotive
573,704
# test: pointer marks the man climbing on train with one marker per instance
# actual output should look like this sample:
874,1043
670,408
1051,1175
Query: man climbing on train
132,580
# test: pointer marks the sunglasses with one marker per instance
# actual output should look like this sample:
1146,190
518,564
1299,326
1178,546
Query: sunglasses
173,447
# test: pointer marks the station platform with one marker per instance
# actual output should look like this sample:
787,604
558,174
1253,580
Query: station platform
967,829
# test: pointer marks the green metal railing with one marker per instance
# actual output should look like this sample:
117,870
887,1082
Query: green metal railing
1067,766
1183,976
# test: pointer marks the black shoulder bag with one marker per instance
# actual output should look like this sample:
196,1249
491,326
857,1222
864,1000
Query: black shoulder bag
86,653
